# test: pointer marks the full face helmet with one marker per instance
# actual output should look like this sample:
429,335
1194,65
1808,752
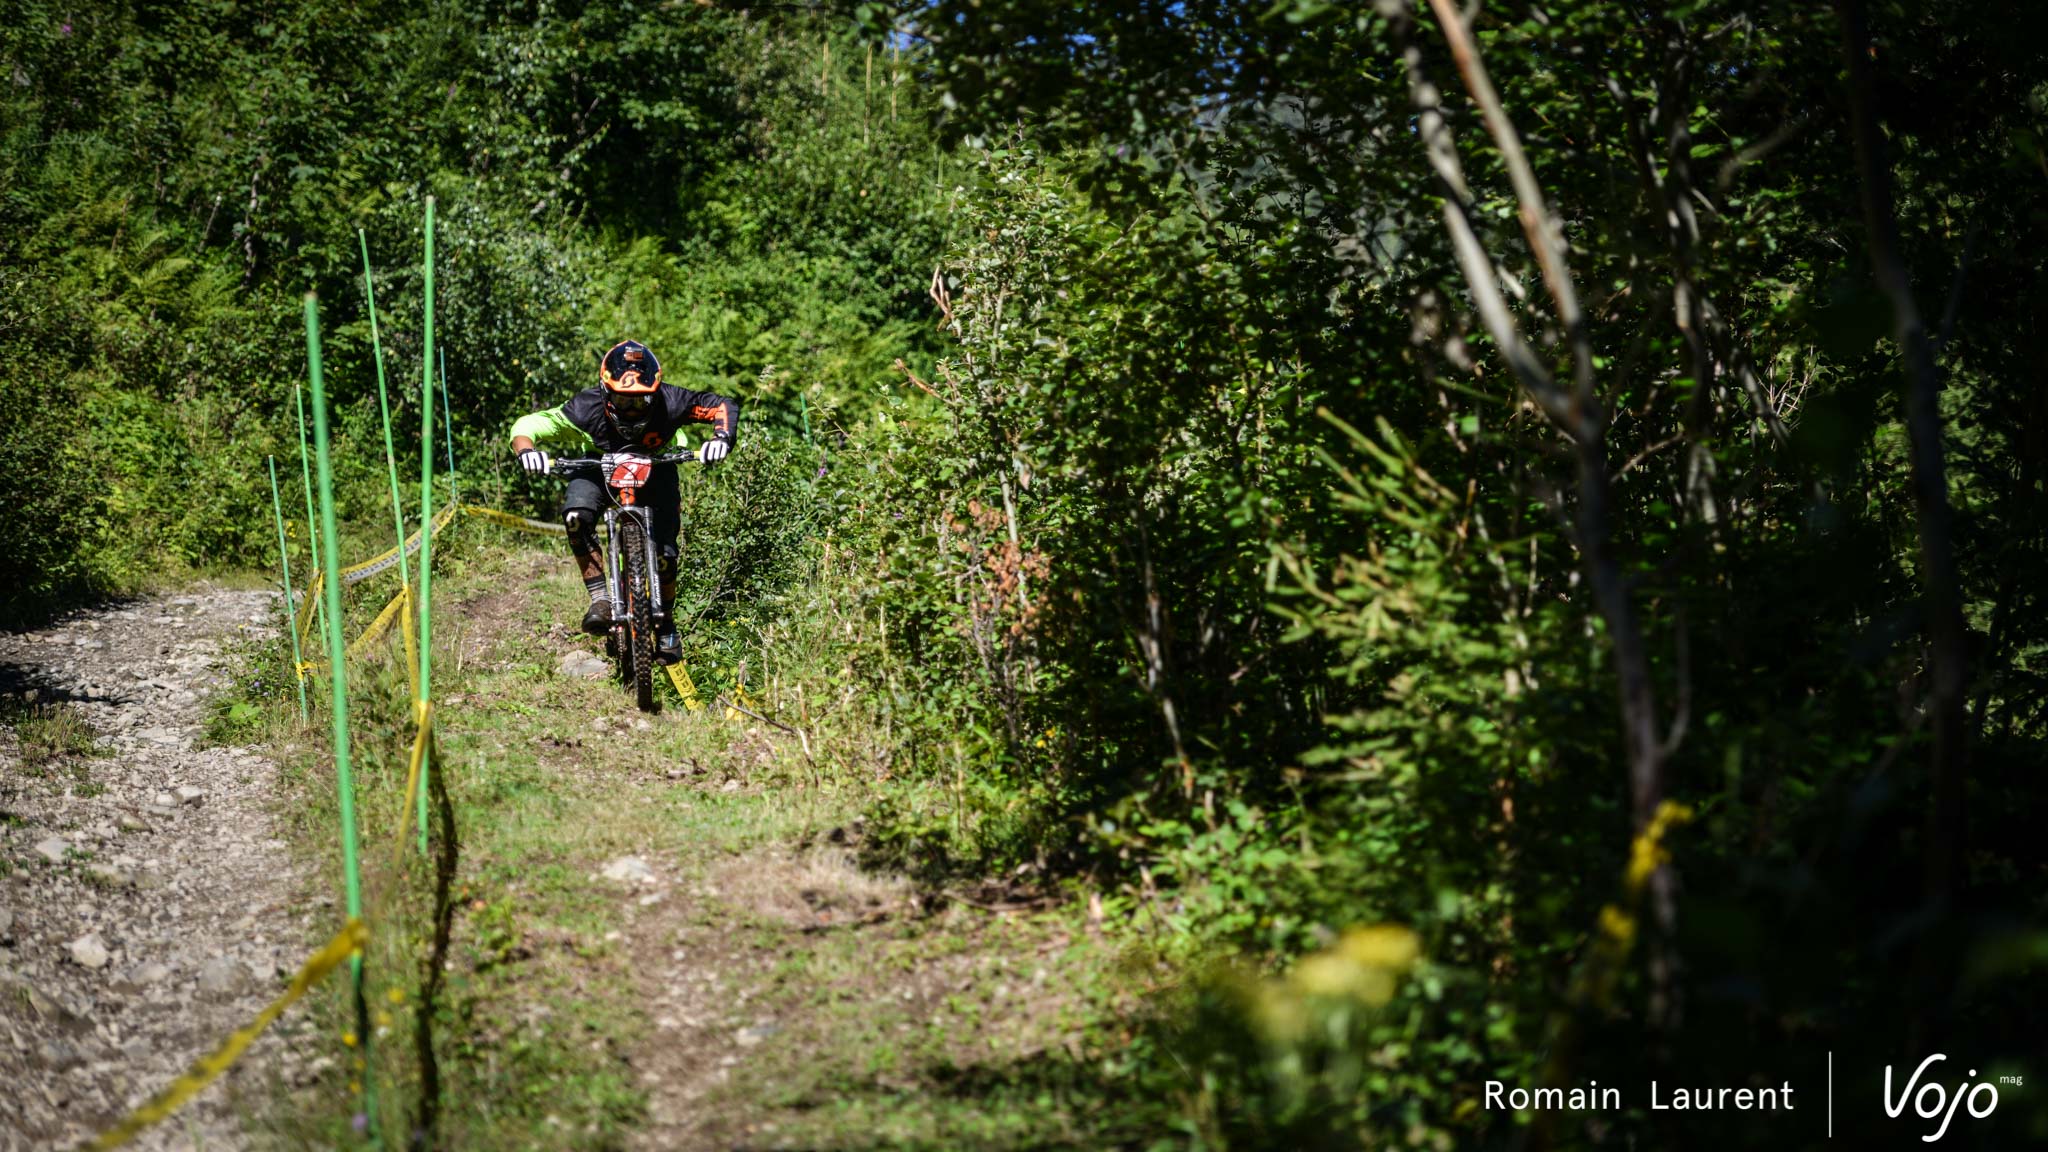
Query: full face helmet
631,376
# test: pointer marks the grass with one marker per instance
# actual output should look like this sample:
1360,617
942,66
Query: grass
764,992
50,734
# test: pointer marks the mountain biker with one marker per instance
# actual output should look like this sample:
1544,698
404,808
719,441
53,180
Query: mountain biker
632,410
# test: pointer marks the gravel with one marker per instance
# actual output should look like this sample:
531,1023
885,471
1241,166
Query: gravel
143,898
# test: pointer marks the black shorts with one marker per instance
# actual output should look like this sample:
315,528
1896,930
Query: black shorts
661,495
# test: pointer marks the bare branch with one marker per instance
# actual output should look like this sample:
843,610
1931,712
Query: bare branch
1477,267
1542,227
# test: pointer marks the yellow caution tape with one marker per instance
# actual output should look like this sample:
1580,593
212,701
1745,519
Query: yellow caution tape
412,647
389,556
393,610
685,687
381,623
346,943
423,733
739,695
311,605
510,521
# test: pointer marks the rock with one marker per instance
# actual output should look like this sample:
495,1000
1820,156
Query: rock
642,723
188,794
147,974
750,1036
130,822
109,875
53,849
731,786
6,923
313,1070
59,1056
165,800
581,665
89,951
629,870
48,1007
224,976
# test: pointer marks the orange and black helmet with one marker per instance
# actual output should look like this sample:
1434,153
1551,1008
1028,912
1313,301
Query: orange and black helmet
630,368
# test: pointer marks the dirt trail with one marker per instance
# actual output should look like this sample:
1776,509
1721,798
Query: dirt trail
146,905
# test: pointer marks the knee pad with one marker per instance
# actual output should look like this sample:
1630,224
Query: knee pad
578,521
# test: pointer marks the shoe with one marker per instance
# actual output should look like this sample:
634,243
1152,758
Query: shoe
667,647
598,620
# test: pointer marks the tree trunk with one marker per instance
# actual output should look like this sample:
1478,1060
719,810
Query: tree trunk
1946,640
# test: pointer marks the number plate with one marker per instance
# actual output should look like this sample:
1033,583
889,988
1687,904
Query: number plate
626,469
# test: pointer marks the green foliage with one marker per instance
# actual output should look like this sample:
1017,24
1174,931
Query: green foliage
599,173
1126,482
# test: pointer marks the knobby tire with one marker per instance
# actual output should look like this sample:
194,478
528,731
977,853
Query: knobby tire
638,655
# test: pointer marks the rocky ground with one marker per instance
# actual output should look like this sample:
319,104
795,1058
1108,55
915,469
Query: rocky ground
146,907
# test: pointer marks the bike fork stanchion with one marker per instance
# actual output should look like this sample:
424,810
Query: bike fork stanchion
612,646
337,677
291,610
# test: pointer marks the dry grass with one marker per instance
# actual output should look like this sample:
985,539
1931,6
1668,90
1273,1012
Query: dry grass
810,888
49,733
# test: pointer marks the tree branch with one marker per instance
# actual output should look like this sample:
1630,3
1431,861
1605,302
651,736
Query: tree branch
1578,414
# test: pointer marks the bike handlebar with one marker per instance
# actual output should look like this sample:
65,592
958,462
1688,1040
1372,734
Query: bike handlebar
586,464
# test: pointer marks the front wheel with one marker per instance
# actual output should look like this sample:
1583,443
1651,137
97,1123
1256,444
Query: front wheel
636,653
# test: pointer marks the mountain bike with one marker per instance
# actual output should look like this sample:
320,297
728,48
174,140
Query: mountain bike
632,570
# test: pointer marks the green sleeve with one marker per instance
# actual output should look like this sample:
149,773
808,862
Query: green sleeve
551,429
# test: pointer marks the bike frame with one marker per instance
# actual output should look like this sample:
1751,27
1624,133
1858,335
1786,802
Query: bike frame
622,475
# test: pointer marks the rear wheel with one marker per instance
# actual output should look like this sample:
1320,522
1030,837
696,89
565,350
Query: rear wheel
637,653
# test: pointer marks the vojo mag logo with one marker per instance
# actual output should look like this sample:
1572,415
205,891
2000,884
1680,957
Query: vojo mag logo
1932,1101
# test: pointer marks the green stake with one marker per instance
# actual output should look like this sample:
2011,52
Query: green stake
427,512
448,430
291,611
337,666
306,477
384,402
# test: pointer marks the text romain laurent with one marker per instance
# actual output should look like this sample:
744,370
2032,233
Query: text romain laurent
1593,1098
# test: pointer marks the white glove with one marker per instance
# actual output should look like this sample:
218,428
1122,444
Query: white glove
713,451
534,460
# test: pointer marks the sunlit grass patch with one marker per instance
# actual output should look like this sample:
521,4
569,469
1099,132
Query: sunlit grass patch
49,733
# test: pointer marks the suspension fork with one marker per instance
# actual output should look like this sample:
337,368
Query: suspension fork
614,582
617,521
652,555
